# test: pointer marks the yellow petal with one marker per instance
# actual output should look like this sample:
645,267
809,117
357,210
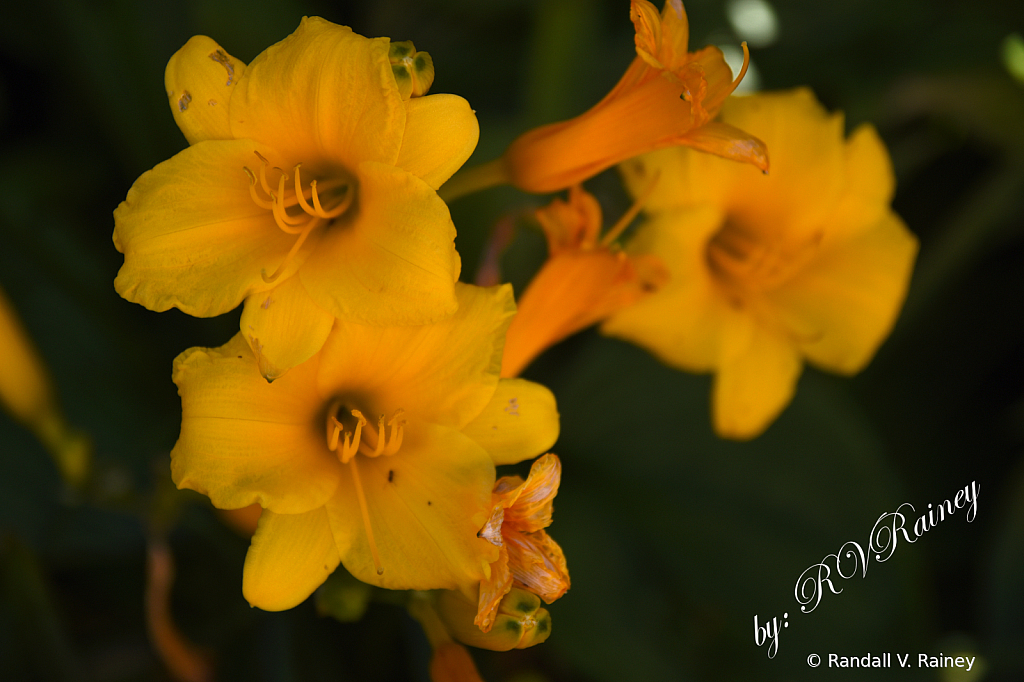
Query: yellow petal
323,92
441,132
807,168
870,183
199,80
284,327
425,505
754,383
683,323
193,238
846,301
445,373
519,422
395,263
244,440
290,556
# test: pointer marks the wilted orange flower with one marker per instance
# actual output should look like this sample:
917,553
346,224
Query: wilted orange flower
378,452
527,556
807,263
308,191
584,280
667,97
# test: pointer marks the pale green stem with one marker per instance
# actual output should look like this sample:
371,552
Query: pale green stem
475,179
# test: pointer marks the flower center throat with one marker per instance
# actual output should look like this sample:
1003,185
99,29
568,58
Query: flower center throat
338,193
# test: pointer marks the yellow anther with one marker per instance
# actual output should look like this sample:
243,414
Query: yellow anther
257,199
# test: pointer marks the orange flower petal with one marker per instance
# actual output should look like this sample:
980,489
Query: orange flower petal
537,562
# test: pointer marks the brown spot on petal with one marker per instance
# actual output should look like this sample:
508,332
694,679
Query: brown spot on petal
221,58
184,99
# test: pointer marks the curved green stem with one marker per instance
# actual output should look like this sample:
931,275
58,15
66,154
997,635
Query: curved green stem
475,179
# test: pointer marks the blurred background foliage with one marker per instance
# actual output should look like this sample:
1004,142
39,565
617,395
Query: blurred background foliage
675,539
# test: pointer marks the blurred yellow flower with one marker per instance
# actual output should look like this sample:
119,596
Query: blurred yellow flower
26,392
584,280
667,97
808,262
527,556
397,499
308,191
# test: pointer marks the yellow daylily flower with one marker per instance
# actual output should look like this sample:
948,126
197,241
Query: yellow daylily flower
584,280
26,392
807,263
527,556
378,452
308,191
667,97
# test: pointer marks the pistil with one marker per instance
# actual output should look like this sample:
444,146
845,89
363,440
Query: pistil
347,444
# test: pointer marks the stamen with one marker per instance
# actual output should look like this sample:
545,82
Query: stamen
334,430
263,173
352,440
384,445
628,216
365,512
313,222
260,201
746,63
397,422
346,201
300,194
379,436
279,207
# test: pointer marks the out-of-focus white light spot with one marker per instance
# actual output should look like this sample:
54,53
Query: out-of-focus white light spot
754,21
1013,55
734,58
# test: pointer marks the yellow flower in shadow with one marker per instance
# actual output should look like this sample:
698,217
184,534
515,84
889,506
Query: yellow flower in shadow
667,97
26,392
378,452
308,191
807,263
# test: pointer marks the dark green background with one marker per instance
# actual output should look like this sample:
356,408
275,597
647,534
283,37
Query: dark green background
675,539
